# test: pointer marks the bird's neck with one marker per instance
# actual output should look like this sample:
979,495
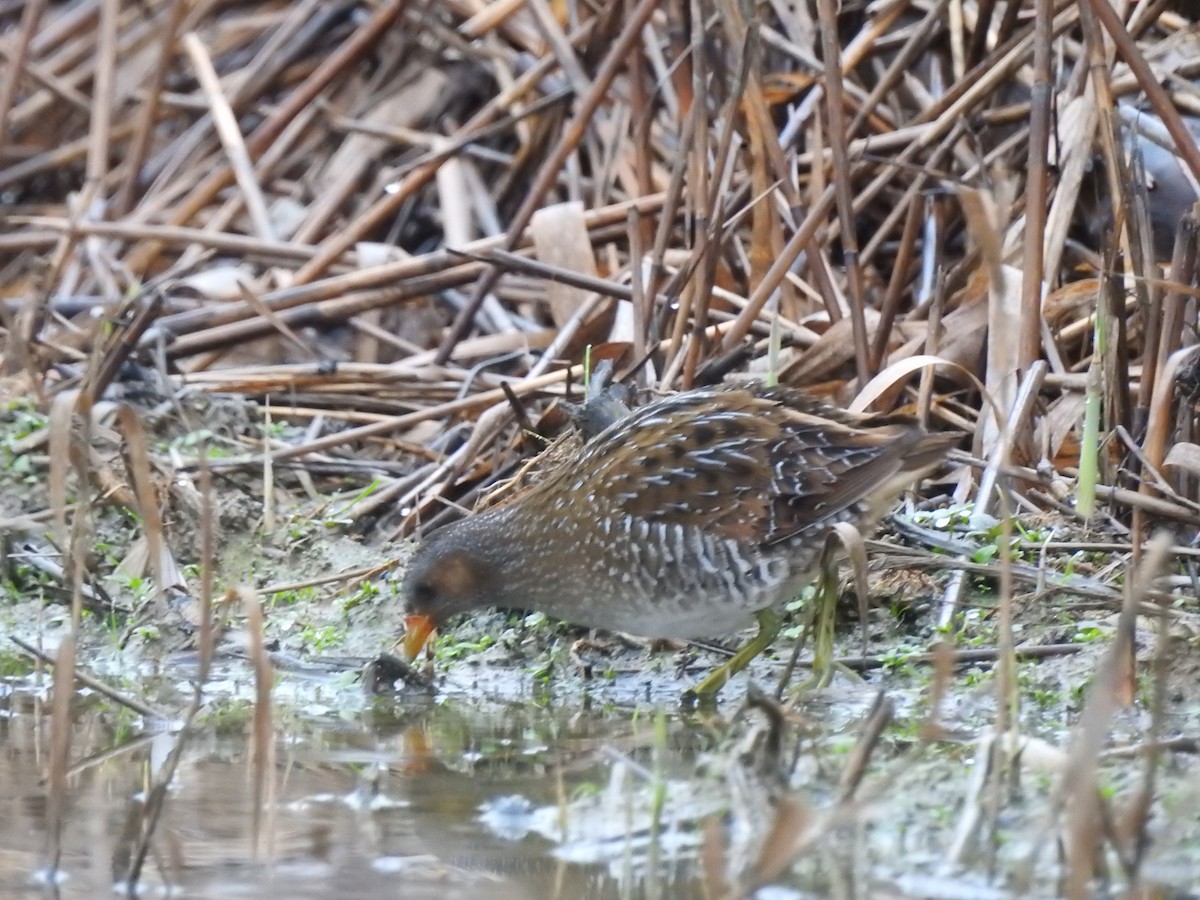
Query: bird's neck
486,536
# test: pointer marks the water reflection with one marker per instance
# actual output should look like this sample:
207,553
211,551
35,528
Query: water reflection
432,799
503,790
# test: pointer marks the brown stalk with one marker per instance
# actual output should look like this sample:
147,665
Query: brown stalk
672,203
1036,189
334,247
237,154
642,308
917,208
548,174
74,543
151,810
1139,809
60,748
1159,424
693,305
779,269
878,718
1114,366
1185,144
837,134
138,456
149,110
118,697
1183,273
377,276
18,59
242,245
261,138
1182,262
1076,794
262,740
102,93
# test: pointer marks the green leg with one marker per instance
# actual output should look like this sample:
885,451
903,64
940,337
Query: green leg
769,623
820,624
820,620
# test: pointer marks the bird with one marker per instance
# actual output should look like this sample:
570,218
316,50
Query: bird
689,517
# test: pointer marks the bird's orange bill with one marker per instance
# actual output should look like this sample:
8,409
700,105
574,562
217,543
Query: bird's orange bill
416,632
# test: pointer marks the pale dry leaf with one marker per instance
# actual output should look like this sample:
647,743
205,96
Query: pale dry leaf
219,282
560,239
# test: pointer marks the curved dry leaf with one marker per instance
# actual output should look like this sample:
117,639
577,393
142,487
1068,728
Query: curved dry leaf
901,369
1184,456
1162,410
832,349
856,548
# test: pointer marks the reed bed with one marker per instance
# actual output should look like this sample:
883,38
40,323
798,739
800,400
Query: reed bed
413,229
393,219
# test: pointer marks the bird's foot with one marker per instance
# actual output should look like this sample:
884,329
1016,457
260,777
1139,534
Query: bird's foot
704,694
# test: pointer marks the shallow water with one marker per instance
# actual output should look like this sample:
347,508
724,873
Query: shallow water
424,798
506,786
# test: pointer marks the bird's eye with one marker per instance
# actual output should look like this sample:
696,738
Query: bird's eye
423,592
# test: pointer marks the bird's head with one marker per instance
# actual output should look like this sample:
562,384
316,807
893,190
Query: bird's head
450,573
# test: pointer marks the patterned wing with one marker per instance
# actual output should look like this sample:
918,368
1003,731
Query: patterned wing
753,465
